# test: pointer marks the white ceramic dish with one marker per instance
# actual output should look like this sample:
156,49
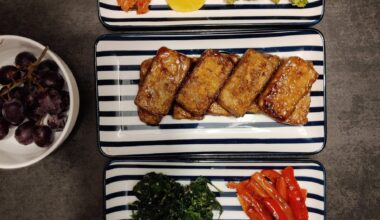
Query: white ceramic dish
12,154
215,13
121,176
121,133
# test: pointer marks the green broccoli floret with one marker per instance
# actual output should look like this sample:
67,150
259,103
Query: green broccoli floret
299,3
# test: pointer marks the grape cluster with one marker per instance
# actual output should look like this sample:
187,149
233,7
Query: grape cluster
32,98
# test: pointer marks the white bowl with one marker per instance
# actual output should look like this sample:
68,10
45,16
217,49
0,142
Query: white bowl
12,154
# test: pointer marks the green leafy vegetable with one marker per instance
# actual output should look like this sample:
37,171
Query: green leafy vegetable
299,3
161,198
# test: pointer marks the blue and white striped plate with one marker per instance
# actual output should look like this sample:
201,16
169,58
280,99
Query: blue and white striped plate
120,177
214,13
121,133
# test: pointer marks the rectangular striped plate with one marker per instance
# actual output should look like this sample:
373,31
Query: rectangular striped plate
121,133
214,13
120,177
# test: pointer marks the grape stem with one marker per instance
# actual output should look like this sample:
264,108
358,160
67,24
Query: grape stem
28,76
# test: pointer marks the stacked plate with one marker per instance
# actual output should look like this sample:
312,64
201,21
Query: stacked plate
175,146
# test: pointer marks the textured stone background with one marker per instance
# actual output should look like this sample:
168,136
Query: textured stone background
68,184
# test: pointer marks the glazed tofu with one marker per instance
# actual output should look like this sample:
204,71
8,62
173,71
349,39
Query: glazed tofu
254,108
145,116
204,83
160,86
291,82
180,113
217,110
247,81
148,117
299,116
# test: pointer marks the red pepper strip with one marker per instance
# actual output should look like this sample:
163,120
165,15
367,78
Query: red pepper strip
254,215
288,174
298,205
256,189
128,4
296,198
243,203
232,185
248,200
274,208
282,188
142,6
271,174
304,193
272,192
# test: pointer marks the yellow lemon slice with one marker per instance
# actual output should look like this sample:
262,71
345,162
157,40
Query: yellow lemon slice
185,5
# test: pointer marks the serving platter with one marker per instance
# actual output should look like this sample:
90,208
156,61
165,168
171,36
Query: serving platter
121,176
214,13
121,133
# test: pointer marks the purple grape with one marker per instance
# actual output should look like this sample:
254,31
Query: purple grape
57,122
47,66
18,93
49,102
24,133
33,115
65,101
52,80
9,74
43,136
1,105
24,59
13,111
4,128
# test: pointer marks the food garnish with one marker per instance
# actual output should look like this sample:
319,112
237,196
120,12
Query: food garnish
161,197
141,6
269,194
32,93
185,5
299,3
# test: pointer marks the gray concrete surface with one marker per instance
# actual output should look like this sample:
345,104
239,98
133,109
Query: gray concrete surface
68,184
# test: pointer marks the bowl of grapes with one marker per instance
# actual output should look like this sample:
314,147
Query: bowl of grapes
39,101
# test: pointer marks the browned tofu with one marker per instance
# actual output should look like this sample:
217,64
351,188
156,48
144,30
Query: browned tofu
299,116
254,108
204,83
148,117
291,82
217,110
247,81
145,116
180,113
160,86
144,69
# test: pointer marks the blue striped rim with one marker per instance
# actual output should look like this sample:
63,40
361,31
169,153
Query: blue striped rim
137,67
212,178
258,34
247,167
110,82
200,51
225,208
217,194
212,142
134,113
234,18
202,125
221,7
